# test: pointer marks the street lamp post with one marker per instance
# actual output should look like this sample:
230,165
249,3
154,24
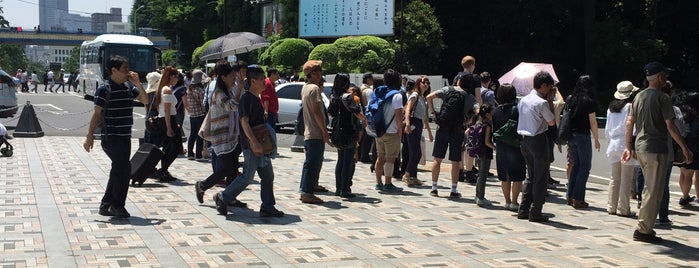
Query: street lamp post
135,18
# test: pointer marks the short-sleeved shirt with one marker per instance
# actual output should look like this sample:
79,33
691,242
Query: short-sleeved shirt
534,115
118,115
167,98
476,82
419,108
650,109
251,107
270,95
581,120
470,103
311,93
396,104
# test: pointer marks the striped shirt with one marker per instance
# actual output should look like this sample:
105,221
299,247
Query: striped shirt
118,115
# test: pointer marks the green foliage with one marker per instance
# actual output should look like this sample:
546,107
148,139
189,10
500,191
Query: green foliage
291,53
265,57
12,58
3,21
73,63
198,52
329,55
169,57
422,39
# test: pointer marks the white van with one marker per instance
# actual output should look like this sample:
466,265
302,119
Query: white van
8,99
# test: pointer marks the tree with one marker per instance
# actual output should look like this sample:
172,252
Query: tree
198,52
73,62
12,57
3,21
421,38
329,55
169,57
291,53
290,21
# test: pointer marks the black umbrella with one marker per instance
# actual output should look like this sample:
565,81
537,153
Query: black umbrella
232,44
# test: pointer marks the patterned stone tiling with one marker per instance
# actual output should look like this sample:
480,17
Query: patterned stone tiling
400,250
332,218
93,224
313,253
166,209
16,190
23,262
145,259
182,222
547,243
24,227
437,229
362,232
284,235
102,241
530,262
27,243
200,237
17,200
478,246
230,257
18,212
602,260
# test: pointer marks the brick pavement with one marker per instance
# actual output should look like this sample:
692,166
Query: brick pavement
50,191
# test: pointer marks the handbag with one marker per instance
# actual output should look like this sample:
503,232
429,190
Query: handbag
261,133
205,129
565,129
154,123
508,132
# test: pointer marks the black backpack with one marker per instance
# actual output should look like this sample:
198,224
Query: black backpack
451,114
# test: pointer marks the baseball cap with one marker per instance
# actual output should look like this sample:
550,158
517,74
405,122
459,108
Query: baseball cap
654,68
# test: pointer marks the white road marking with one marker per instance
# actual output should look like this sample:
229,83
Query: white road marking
50,105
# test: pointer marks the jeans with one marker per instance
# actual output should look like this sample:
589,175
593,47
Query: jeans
263,166
272,121
315,149
344,169
413,144
483,169
194,139
118,149
581,153
535,186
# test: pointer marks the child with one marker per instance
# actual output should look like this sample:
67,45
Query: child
485,117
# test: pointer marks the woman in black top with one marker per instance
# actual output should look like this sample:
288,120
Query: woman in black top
509,159
344,110
584,123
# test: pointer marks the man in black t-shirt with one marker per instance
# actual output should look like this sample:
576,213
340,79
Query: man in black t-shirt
251,114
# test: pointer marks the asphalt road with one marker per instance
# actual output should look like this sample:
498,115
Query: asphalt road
67,114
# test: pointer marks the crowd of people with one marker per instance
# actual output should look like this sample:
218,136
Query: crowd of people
49,79
381,122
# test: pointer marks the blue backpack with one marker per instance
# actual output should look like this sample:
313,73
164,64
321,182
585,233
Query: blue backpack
376,122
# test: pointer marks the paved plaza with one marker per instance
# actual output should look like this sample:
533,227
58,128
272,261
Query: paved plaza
51,188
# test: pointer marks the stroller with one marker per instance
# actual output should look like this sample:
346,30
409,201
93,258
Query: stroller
7,150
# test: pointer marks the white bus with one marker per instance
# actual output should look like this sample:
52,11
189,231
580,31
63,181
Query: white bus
143,58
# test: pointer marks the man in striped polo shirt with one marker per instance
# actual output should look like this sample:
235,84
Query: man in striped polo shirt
116,99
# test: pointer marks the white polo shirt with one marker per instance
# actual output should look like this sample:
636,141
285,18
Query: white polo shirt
534,115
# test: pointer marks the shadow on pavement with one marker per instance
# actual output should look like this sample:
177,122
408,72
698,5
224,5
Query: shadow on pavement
133,220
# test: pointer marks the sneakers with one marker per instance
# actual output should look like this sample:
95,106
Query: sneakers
379,186
220,206
391,188
191,157
237,203
346,194
434,193
538,218
482,202
684,201
310,199
512,206
648,238
265,213
413,181
579,204
454,195
199,191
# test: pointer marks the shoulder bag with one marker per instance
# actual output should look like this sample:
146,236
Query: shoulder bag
508,132
263,136
565,129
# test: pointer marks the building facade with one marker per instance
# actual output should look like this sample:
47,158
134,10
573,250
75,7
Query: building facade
99,20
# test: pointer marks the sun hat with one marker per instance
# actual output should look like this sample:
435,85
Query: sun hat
310,66
624,90
197,76
153,79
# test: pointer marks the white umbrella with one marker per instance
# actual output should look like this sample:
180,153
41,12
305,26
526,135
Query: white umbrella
232,44
522,76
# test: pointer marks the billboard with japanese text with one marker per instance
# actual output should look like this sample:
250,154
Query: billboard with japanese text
331,18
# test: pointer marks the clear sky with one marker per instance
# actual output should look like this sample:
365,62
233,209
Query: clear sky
25,13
